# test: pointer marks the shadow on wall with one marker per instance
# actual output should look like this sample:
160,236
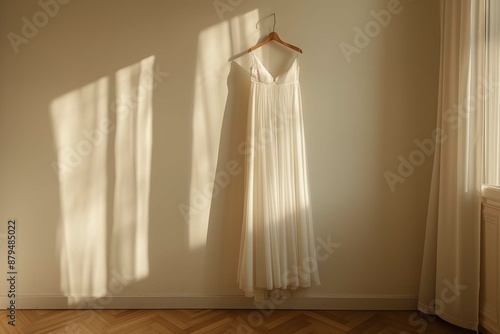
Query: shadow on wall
226,210
85,122
215,45
214,213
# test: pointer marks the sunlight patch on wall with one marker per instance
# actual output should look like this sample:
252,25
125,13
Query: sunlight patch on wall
133,144
81,141
82,121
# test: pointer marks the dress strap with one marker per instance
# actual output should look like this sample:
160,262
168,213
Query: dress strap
254,68
254,60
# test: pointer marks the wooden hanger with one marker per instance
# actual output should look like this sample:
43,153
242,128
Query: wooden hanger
274,37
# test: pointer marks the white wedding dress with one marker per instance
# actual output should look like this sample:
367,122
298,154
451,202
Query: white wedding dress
277,252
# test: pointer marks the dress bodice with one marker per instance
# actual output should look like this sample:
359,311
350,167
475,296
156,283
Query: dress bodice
261,75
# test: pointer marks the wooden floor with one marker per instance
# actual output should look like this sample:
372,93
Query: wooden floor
222,321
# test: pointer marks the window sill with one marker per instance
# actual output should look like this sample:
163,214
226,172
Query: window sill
491,195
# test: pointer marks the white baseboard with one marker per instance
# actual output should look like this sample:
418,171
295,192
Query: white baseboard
217,302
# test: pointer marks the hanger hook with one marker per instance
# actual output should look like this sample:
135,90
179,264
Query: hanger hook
274,22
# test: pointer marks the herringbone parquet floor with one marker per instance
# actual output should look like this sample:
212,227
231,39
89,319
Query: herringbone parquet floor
223,321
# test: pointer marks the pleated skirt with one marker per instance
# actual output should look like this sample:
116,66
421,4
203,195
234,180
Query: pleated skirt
277,252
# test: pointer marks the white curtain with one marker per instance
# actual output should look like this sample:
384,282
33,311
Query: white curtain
449,284
492,117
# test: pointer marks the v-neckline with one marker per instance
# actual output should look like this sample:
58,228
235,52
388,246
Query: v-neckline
274,79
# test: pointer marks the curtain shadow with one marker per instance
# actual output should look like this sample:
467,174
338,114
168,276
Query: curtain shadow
133,145
81,143
98,244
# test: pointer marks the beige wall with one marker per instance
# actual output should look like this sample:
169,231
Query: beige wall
360,117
